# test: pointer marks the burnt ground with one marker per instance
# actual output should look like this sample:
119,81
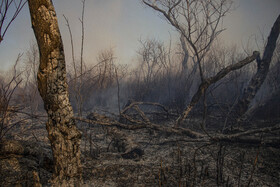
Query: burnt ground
168,159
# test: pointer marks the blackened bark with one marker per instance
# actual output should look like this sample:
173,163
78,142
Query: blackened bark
257,80
62,131
185,53
207,82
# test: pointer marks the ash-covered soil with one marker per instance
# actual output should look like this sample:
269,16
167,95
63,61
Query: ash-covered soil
168,160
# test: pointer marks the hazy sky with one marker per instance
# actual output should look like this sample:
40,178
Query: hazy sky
119,24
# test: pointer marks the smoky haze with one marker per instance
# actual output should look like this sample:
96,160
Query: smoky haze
119,24
155,106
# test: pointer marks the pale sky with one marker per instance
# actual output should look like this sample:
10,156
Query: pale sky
119,24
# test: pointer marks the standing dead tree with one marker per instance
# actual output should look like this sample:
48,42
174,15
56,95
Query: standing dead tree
152,67
105,68
62,131
78,76
197,21
257,80
82,62
7,92
6,6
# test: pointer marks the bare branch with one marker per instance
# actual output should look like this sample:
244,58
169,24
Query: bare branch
5,8
207,82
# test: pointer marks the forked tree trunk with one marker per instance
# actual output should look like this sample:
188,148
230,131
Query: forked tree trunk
62,131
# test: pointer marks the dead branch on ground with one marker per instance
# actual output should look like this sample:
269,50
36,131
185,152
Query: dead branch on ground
188,134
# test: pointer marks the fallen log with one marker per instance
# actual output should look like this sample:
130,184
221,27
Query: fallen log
246,137
113,123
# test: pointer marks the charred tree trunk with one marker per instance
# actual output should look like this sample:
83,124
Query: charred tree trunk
207,82
185,53
257,80
62,131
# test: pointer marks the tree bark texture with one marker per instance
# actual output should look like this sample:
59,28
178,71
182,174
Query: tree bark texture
257,80
62,131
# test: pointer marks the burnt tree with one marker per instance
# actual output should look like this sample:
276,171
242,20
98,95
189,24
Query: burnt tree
258,79
62,131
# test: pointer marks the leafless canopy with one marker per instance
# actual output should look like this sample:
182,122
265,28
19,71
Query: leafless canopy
198,21
9,10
